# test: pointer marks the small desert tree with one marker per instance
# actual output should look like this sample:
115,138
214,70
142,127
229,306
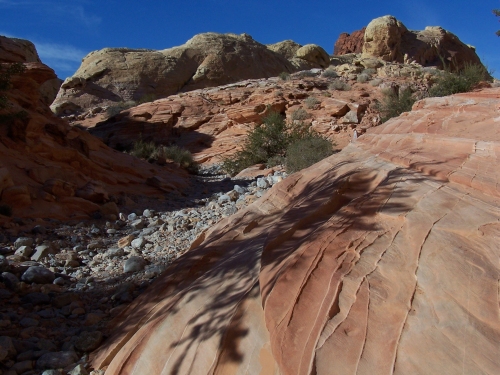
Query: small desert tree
496,12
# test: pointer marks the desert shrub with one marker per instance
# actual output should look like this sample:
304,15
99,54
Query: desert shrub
264,141
5,210
6,74
329,73
159,153
143,150
267,143
284,76
449,83
275,160
311,102
305,73
113,110
369,71
147,99
339,85
177,154
363,78
299,115
375,82
393,104
306,152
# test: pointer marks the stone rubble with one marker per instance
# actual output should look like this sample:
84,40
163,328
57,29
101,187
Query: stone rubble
59,287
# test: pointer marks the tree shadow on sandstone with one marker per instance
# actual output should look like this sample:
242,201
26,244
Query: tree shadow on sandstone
202,294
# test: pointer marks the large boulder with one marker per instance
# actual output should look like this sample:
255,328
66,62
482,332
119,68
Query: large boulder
381,259
382,38
388,39
286,48
313,54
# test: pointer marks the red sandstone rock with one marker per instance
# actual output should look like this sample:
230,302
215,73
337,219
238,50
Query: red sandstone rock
382,259
349,43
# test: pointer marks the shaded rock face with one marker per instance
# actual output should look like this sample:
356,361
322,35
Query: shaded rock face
46,166
20,51
118,74
349,43
382,259
388,39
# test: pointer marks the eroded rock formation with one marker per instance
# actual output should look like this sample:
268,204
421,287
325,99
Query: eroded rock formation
119,74
49,169
388,39
382,259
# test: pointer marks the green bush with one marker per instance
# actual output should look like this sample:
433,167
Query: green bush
339,85
178,155
306,152
392,104
284,76
5,210
375,82
363,78
143,150
160,154
449,83
267,143
6,74
299,115
311,102
329,73
305,73
369,71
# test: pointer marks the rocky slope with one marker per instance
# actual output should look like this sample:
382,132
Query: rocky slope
212,123
114,75
381,259
49,169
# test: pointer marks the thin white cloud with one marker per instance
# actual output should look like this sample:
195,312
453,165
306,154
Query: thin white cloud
80,14
59,52
74,12
63,58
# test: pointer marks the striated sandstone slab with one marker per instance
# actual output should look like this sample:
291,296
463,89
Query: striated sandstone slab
377,260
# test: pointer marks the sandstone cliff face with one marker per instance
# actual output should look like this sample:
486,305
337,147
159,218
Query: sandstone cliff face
51,170
118,74
382,259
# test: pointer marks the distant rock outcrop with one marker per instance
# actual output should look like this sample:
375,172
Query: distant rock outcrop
388,39
349,43
113,75
381,259
49,169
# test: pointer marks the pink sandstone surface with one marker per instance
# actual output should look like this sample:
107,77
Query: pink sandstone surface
382,259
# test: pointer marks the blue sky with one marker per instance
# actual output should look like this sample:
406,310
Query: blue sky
64,31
